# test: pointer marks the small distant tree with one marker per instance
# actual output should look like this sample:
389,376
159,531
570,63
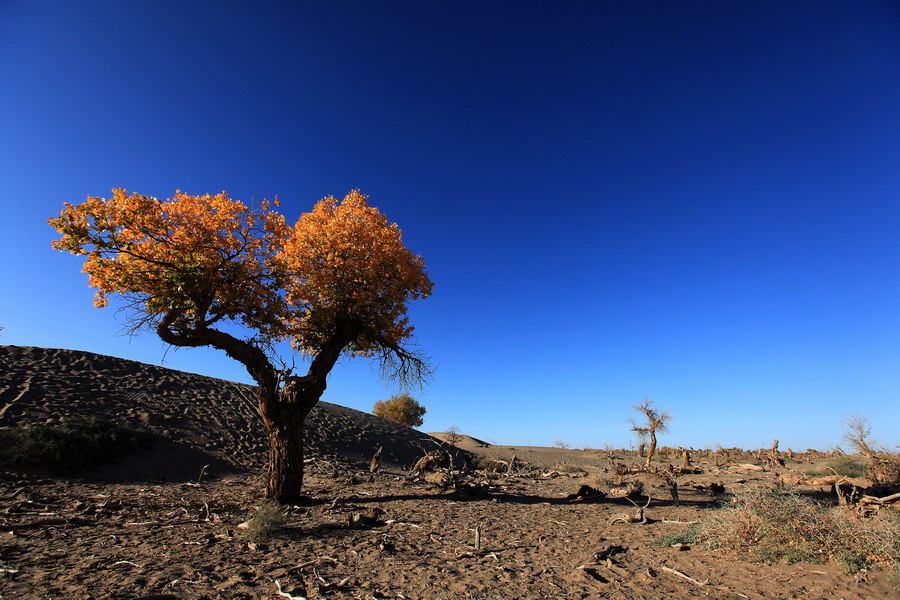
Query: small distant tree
453,435
401,408
655,422
561,445
210,271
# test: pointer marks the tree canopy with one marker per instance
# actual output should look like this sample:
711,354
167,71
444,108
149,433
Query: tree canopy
198,261
401,408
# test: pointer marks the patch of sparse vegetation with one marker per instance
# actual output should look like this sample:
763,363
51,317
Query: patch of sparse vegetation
846,466
266,520
569,469
480,462
72,447
785,527
688,536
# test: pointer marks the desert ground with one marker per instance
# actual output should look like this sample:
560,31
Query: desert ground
174,521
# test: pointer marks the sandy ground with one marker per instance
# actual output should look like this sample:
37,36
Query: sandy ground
362,536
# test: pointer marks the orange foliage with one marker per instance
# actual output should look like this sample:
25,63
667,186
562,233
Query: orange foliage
206,259
402,408
348,262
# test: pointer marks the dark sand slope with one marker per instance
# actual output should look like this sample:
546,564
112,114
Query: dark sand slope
195,420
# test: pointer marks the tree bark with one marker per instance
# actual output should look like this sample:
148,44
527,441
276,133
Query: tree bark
652,449
284,429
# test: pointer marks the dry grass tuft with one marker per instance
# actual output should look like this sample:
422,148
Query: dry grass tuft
265,521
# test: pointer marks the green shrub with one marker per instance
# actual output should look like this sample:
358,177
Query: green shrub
72,447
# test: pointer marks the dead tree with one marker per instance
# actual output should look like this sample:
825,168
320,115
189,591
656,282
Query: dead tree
655,422
882,467
453,435
670,476
772,459
375,465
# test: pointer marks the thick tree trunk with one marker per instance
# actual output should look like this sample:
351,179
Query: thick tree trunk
284,414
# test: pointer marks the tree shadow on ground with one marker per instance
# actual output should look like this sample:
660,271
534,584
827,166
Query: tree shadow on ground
526,499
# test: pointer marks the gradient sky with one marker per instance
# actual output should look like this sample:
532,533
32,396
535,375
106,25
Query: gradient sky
695,202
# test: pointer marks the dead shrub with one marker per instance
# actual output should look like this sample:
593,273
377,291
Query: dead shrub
265,521
882,466
784,527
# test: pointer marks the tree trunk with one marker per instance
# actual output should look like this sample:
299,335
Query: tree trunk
283,420
283,411
652,449
673,491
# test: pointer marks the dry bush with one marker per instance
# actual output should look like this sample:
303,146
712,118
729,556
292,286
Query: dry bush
882,466
265,521
775,527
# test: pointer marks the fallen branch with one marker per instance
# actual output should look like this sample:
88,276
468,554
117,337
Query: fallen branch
884,500
46,522
393,522
314,561
683,576
748,467
638,517
678,522
175,596
285,594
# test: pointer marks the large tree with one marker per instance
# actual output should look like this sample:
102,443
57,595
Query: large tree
210,271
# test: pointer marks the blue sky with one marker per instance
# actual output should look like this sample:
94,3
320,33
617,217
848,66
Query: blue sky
693,202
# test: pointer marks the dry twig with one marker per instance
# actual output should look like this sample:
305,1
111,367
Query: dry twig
683,576
285,594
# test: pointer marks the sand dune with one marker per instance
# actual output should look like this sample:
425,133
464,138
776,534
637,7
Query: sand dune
196,420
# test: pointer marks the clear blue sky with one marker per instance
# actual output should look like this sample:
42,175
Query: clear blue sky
695,202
